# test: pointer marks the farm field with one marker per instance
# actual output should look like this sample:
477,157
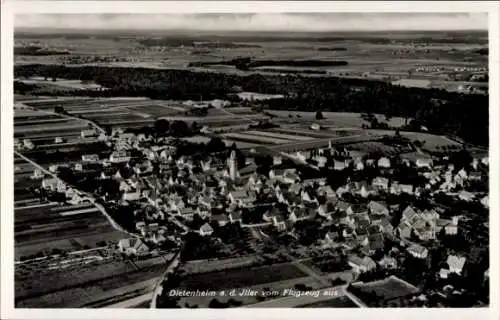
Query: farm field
42,228
245,137
241,278
64,83
340,302
278,135
336,119
388,289
87,279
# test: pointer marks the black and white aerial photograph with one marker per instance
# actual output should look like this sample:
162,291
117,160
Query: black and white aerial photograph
251,160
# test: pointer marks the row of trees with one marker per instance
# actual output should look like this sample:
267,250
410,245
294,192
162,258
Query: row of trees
440,111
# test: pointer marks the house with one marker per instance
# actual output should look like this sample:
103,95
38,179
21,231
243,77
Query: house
291,177
358,164
366,190
58,140
315,126
277,160
357,209
380,183
485,201
455,264
327,209
206,230
423,163
375,242
418,251
279,222
339,165
50,183
88,133
53,168
133,246
377,208
332,236
242,197
140,225
221,219
90,158
384,163
300,213
361,265
119,156
388,262
131,195
450,226
37,174
327,191
443,273
466,196
385,225
236,217
475,176
268,216
343,206
406,188
276,174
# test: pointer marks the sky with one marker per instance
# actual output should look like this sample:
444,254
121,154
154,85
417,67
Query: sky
312,22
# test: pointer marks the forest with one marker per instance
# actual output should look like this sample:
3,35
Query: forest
463,115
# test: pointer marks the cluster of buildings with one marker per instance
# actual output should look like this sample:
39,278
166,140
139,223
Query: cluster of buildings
165,188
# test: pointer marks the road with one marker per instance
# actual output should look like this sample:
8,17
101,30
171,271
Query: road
173,264
86,195
292,301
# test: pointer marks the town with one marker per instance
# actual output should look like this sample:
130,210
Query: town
344,218
160,169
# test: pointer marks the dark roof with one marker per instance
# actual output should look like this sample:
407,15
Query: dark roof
376,241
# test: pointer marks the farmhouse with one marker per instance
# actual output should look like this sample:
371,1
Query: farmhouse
377,208
380,183
455,264
485,201
133,246
90,158
339,165
50,183
384,163
242,197
88,133
206,230
361,265
221,219
418,251
236,217
423,163
119,157
131,195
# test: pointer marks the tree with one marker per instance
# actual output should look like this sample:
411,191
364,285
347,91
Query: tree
194,127
54,79
319,116
215,145
179,128
59,109
161,127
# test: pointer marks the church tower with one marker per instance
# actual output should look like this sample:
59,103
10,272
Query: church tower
233,165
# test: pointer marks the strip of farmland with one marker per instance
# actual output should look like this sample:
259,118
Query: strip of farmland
53,127
241,277
85,285
278,135
308,133
254,139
